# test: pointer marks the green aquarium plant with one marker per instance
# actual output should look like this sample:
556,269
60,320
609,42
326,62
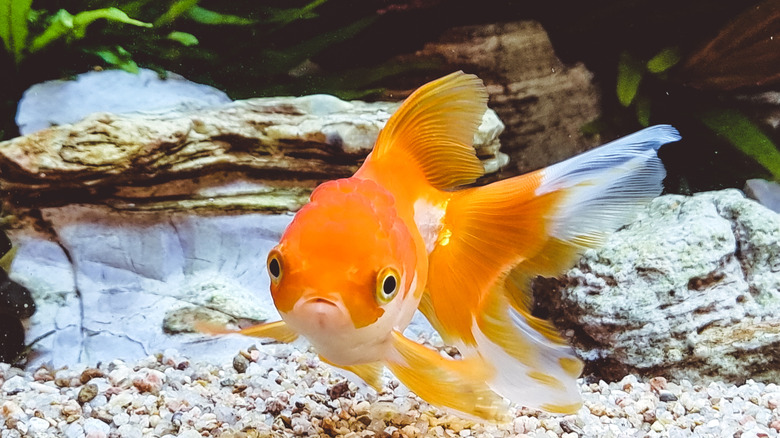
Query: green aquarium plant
707,86
246,48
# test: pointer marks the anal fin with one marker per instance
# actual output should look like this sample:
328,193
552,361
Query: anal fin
458,385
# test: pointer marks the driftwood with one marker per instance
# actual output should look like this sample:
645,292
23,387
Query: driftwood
543,102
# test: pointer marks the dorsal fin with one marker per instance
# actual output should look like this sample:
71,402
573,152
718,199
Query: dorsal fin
434,129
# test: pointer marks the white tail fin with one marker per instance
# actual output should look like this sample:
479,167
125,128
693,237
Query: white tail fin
605,186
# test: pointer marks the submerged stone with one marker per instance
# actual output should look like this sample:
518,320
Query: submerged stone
62,102
690,290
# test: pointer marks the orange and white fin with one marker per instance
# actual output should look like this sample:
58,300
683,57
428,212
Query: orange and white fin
453,384
430,135
532,369
495,238
276,330
371,373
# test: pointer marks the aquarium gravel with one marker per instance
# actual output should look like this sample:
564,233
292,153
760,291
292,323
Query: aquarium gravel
284,390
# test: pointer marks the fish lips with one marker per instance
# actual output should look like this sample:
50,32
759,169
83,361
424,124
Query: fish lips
322,314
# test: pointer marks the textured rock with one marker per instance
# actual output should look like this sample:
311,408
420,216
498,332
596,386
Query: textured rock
260,154
115,91
690,290
543,102
105,281
765,192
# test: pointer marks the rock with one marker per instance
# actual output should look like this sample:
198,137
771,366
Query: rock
259,154
62,102
765,192
543,102
87,393
688,291
105,280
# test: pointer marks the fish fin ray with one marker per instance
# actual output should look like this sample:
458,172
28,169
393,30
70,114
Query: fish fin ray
486,232
455,384
371,373
538,223
605,186
276,330
530,370
426,308
434,129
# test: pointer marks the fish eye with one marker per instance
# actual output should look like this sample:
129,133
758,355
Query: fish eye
275,266
387,284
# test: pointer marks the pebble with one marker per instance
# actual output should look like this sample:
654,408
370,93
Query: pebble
87,393
287,393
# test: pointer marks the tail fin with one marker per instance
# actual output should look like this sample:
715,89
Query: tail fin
497,237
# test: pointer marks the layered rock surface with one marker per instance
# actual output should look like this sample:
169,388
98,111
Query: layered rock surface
690,290
261,154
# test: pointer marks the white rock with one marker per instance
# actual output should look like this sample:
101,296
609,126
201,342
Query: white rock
74,430
14,384
121,419
130,431
38,425
709,269
93,425
115,91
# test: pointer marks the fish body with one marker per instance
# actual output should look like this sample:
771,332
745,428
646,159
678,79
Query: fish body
368,251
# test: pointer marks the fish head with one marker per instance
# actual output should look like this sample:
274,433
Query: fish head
345,271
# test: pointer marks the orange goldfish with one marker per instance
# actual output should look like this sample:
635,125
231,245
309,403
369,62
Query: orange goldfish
368,251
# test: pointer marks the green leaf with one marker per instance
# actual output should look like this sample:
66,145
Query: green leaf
66,25
84,19
746,136
664,60
60,25
643,110
205,16
14,28
286,16
178,8
630,72
184,38
116,56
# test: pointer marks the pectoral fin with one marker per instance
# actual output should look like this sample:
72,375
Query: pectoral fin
371,373
277,330
458,385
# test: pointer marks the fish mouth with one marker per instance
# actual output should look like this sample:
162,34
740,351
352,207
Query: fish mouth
322,313
321,301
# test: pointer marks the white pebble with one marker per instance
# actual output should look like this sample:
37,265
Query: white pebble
121,419
130,431
74,430
93,425
14,384
38,424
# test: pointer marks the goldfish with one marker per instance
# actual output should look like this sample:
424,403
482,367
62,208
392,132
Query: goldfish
403,234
